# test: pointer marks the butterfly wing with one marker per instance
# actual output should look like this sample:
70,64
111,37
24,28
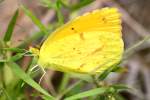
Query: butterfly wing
85,43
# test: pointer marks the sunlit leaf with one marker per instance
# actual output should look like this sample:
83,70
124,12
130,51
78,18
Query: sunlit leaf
10,27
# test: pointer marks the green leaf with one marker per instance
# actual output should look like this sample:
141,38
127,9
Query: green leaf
120,87
120,69
103,75
64,82
14,50
10,27
17,57
22,75
60,16
82,3
119,97
36,21
91,92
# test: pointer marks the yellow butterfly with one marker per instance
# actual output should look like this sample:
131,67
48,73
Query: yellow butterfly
89,43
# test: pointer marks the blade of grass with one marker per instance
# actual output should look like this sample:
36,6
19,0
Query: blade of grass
2,79
60,17
88,93
11,26
17,56
82,3
103,75
120,87
14,50
22,75
36,21
6,94
64,82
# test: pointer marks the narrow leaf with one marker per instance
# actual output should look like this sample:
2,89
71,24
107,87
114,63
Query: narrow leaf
17,57
120,87
36,21
92,92
81,4
10,27
103,75
64,82
14,50
22,75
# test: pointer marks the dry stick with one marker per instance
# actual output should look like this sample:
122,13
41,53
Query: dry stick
130,50
135,66
146,74
134,70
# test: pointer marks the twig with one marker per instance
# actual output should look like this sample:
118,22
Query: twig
134,70
146,74
131,50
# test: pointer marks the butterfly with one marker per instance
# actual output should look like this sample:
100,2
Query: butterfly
90,43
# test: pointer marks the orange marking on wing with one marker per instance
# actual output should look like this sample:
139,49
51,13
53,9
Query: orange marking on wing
96,50
81,66
82,36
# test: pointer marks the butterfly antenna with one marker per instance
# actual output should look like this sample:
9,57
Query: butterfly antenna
44,72
33,68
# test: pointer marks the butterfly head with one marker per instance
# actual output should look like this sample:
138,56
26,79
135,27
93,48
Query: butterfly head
34,51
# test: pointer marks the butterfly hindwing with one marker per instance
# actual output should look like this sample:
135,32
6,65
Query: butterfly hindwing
84,43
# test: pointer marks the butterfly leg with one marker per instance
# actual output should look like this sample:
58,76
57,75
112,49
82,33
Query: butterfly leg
33,68
44,72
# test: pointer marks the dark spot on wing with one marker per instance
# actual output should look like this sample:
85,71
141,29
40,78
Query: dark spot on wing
72,28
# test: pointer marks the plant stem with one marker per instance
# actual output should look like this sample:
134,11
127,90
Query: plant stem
68,89
130,50
95,81
64,82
